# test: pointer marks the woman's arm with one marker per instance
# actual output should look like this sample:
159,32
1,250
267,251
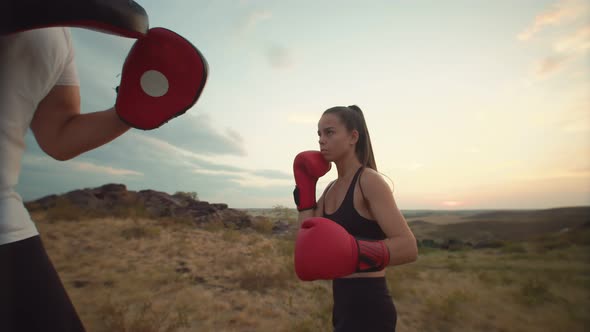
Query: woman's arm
400,239
63,133
317,212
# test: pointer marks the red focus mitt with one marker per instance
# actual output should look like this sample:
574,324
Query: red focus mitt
163,76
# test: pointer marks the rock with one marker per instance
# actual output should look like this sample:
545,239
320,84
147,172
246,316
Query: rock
219,206
114,199
158,204
84,198
488,244
229,217
112,187
44,203
281,227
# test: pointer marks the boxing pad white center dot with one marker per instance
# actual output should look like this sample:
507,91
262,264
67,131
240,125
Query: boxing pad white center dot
154,83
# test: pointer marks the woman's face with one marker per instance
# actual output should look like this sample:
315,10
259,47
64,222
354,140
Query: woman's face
334,138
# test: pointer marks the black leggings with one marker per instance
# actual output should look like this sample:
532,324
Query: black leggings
362,304
32,297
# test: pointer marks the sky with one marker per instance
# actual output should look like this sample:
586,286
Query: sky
469,104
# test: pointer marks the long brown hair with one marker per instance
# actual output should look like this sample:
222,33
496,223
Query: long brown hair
353,118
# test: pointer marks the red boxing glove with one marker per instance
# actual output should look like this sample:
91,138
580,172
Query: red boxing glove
325,250
308,167
163,76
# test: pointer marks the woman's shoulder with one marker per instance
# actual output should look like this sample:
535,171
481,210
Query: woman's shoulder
369,174
372,180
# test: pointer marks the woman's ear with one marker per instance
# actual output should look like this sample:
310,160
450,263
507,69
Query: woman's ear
354,137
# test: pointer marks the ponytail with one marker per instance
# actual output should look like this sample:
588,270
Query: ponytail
353,118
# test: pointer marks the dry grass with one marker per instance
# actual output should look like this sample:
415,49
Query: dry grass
141,275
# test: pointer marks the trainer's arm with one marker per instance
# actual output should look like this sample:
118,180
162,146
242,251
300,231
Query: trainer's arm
63,133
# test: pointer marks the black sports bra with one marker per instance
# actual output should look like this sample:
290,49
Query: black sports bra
350,219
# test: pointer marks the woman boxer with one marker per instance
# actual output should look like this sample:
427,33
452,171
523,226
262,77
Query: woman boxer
355,230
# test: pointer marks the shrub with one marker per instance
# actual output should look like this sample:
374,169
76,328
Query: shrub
64,210
230,235
534,292
261,280
142,318
286,247
579,237
282,212
550,242
513,248
214,225
134,211
140,231
262,225
443,312
187,195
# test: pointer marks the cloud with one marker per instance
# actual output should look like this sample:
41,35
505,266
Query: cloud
158,158
273,174
572,118
561,12
197,133
565,49
452,203
78,166
252,19
577,119
194,163
568,43
261,182
303,117
206,171
582,173
280,57
143,162
89,167
576,43
249,178
550,65
234,135
257,16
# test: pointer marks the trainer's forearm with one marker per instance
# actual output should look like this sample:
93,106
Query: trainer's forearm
84,132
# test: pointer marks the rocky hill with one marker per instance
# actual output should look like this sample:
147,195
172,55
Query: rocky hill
111,199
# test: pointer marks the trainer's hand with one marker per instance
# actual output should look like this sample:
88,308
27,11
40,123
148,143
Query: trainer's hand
163,76
325,250
308,167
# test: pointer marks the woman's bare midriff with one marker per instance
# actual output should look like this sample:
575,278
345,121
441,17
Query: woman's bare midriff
376,274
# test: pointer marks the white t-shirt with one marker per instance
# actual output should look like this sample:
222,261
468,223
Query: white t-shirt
31,64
